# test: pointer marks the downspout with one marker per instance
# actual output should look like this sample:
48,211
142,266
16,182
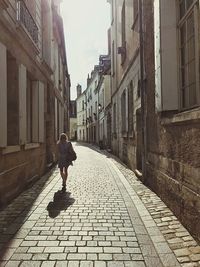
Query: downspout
143,92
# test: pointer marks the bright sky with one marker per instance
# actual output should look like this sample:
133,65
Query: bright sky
86,23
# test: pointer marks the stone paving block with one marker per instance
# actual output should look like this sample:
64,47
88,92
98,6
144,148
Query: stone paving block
99,264
54,249
77,256
48,243
67,243
73,264
121,257
58,256
12,264
119,244
21,256
105,257
90,249
134,264
112,250
86,264
71,249
48,264
35,249
22,250
28,243
115,264
40,256
30,264
92,257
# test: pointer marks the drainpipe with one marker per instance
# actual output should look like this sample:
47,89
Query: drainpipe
143,92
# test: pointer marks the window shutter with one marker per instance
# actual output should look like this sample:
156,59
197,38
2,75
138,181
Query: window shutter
166,56
56,119
22,103
126,104
41,112
3,96
35,106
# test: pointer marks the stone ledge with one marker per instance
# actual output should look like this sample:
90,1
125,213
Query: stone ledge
31,146
183,117
10,149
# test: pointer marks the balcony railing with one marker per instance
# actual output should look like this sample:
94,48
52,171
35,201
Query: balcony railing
25,18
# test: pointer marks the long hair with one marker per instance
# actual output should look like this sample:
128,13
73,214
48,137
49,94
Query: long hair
63,138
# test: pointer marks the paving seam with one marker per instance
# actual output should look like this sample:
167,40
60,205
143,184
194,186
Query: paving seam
145,217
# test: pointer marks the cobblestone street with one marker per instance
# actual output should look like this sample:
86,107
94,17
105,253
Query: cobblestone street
107,218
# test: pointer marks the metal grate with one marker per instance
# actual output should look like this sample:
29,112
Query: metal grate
25,18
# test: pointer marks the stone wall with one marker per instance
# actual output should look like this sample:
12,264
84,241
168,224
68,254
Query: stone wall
173,147
19,169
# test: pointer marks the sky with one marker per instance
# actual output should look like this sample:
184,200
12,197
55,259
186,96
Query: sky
86,23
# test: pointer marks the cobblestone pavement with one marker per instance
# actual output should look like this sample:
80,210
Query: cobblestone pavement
107,218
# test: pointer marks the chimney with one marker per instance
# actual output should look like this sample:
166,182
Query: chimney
78,90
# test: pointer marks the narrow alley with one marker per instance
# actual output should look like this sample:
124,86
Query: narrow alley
106,218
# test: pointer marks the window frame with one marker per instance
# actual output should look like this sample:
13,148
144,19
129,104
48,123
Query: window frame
192,10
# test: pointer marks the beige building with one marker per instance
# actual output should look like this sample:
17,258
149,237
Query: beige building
73,120
92,106
125,81
156,98
34,90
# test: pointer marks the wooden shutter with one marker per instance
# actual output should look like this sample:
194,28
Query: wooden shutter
3,96
126,105
41,112
22,103
35,108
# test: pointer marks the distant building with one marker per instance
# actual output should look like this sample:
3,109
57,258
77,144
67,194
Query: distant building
91,92
73,120
81,114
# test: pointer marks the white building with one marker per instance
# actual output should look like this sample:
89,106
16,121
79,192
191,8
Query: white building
81,114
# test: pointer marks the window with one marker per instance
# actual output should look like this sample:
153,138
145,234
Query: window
112,11
46,32
114,119
188,48
130,109
123,29
12,101
135,26
123,112
29,101
139,88
113,58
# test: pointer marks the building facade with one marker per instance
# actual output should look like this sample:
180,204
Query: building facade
73,120
91,92
81,115
34,87
125,82
156,98
173,108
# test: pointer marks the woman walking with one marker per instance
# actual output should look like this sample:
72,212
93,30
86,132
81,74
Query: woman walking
64,148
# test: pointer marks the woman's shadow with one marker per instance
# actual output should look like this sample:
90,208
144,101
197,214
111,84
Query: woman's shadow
61,201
